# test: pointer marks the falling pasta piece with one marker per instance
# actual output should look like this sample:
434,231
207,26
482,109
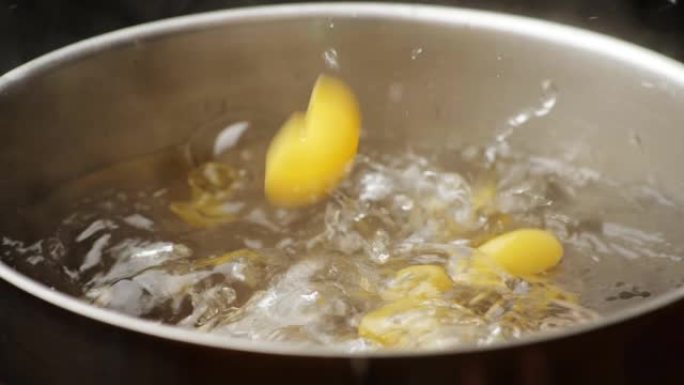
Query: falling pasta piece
312,152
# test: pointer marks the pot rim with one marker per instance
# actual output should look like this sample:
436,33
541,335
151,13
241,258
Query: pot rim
571,37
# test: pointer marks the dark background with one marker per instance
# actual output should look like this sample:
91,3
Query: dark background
29,28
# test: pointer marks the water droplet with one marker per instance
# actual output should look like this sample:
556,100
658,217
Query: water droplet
548,98
547,101
229,136
378,249
403,202
518,119
330,57
416,52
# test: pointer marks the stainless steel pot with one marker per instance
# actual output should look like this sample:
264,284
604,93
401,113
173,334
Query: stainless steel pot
423,74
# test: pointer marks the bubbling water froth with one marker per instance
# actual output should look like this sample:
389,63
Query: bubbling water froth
310,276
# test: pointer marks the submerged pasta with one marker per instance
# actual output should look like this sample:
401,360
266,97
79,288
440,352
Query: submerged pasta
401,248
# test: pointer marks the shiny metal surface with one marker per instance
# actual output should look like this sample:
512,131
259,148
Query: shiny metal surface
461,73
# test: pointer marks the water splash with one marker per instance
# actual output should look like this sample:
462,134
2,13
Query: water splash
229,136
307,276
547,101
330,58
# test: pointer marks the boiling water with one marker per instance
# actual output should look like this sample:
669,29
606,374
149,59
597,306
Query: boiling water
195,244
309,275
